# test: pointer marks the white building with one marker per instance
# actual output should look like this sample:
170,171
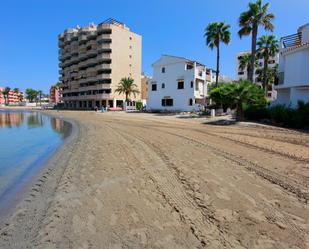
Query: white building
243,74
178,84
293,82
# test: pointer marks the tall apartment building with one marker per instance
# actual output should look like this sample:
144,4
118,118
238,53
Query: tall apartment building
55,95
93,60
243,75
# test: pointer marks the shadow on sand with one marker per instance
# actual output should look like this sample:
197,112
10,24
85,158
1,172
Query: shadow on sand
221,122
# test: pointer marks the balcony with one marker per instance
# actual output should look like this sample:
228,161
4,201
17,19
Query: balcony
103,66
291,40
104,46
103,76
104,57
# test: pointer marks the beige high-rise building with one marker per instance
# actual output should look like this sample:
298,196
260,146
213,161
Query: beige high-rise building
94,59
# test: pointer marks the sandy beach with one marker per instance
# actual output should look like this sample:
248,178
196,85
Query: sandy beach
130,180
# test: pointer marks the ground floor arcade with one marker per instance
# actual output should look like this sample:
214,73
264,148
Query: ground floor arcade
92,104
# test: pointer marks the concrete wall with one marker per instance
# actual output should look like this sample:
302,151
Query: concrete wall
295,66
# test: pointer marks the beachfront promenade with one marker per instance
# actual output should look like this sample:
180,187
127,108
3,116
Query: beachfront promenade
143,181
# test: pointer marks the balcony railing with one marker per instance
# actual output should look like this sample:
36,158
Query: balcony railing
291,40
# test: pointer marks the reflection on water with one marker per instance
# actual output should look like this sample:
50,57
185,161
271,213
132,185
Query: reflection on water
26,140
33,120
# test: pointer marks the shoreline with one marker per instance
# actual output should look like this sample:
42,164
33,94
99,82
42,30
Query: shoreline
31,201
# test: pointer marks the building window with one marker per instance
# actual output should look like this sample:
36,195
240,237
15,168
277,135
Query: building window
130,56
167,102
163,85
241,73
130,38
271,61
190,102
200,73
154,87
180,85
191,84
189,66
163,70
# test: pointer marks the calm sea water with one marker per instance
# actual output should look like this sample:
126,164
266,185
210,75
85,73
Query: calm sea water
27,139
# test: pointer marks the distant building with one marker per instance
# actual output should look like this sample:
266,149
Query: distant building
178,84
293,80
13,97
243,75
94,59
144,88
55,95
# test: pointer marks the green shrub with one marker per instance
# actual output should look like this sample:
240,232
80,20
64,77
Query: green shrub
281,115
256,112
139,105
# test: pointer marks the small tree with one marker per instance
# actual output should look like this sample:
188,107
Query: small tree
127,86
235,95
5,94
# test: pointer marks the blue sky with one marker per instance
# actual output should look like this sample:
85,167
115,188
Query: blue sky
29,29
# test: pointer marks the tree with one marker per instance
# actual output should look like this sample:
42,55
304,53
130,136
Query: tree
5,94
249,22
235,95
245,63
127,86
31,94
267,47
40,93
215,33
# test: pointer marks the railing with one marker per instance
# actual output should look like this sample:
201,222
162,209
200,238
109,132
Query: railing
291,40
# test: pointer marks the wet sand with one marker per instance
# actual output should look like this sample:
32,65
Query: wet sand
148,181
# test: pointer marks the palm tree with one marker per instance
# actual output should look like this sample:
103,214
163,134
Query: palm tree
5,94
235,95
267,47
215,33
31,94
245,63
249,22
127,86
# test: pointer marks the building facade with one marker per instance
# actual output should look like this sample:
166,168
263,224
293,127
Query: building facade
55,95
293,80
12,98
144,88
178,84
94,59
242,74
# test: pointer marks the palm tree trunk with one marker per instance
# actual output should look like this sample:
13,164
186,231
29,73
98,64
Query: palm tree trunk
239,112
253,52
218,64
265,79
